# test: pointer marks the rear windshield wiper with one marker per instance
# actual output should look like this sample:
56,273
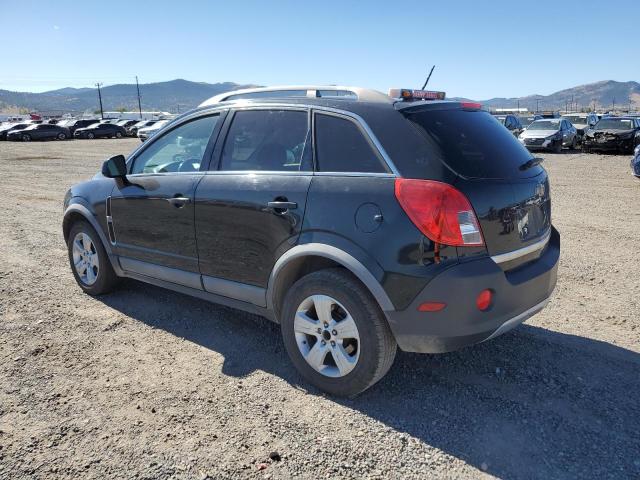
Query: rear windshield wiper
532,162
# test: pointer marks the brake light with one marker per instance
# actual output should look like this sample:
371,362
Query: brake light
441,212
471,105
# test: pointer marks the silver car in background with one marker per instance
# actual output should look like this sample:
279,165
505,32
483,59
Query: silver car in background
582,122
549,134
146,132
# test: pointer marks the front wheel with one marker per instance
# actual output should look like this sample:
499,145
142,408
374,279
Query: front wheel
89,261
558,147
90,136
26,138
574,144
61,136
118,135
335,333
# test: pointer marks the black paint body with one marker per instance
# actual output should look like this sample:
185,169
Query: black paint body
226,239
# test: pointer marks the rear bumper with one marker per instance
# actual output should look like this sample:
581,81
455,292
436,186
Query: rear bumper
518,294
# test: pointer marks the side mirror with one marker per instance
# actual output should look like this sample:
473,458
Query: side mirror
115,167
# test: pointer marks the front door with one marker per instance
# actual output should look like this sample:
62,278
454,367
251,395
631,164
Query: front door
153,212
250,207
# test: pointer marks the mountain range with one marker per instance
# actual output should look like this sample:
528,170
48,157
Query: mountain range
174,96
180,95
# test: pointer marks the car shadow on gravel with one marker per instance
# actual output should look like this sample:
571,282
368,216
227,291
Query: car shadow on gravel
532,403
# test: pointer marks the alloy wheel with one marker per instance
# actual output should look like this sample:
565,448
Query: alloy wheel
85,259
327,336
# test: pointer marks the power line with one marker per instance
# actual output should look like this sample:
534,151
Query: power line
139,103
98,84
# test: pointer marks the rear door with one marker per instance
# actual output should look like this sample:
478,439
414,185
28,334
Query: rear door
511,199
250,205
152,213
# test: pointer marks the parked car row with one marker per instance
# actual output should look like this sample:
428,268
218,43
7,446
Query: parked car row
79,129
593,132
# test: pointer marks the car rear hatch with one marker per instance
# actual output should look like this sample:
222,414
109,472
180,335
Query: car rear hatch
507,188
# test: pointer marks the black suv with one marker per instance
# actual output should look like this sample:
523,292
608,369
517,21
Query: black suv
358,222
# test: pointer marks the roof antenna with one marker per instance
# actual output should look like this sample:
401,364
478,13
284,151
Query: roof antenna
427,81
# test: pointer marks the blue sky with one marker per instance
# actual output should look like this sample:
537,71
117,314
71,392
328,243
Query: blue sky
482,49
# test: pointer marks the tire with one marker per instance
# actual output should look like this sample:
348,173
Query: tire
62,136
118,135
558,148
90,136
574,144
26,138
365,354
104,279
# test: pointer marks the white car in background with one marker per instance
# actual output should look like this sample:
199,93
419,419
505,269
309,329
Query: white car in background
147,132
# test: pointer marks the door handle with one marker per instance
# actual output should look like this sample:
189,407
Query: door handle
281,206
179,202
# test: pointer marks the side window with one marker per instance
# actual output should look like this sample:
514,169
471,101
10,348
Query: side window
342,147
179,150
271,140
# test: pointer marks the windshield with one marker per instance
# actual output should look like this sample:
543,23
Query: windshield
545,125
614,124
472,143
575,119
526,121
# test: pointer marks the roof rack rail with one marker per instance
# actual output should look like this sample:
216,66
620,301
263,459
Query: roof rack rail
299,91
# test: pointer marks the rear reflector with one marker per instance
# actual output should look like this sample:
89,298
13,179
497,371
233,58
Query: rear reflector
484,300
431,306
441,212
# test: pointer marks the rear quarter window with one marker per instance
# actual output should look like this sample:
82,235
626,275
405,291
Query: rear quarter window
471,143
341,146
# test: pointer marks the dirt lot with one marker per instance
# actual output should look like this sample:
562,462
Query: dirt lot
145,383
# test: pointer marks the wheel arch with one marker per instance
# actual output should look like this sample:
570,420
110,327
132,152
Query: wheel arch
307,258
78,212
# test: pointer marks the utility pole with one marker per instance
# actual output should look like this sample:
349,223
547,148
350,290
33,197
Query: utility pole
100,99
139,103
537,105
613,109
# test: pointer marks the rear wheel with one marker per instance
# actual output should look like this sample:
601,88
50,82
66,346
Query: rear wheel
61,136
335,333
89,261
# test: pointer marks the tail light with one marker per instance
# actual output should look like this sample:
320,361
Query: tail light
441,212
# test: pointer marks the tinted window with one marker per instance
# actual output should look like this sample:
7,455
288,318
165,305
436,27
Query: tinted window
471,143
342,147
271,140
179,150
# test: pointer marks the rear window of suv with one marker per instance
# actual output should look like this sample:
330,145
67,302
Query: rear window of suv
471,143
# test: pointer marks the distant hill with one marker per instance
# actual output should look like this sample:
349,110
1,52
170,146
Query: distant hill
180,95
600,94
173,96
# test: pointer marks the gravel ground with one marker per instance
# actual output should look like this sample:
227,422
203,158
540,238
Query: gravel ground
146,383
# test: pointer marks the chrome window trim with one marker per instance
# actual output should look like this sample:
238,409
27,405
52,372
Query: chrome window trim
521,252
271,106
